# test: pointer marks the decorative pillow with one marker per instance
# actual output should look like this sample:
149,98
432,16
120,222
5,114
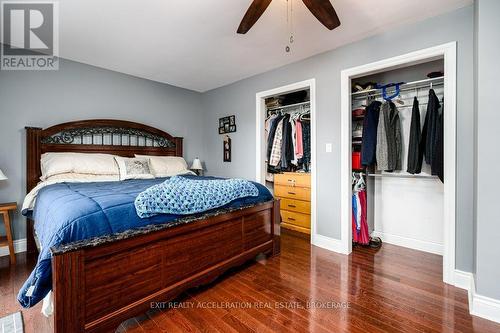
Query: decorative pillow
166,166
133,168
91,164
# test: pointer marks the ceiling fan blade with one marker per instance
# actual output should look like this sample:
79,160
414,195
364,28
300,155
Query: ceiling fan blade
254,12
324,12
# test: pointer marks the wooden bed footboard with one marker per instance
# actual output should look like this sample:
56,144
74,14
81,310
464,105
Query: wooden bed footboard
97,288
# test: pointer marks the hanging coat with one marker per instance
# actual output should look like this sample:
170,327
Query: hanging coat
414,156
369,142
287,153
430,130
272,132
306,142
437,166
389,139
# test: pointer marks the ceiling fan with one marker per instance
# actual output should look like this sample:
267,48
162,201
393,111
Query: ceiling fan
322,9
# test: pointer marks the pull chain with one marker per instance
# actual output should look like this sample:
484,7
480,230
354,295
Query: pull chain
289,21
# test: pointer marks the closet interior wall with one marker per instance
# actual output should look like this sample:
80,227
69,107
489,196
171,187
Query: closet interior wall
402,209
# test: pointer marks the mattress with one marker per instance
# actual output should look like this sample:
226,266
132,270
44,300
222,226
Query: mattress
70,212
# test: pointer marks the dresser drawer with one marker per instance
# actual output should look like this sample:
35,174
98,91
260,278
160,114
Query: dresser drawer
298,219
300,193
293,179
298,206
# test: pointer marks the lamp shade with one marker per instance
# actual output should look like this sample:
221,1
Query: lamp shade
2,176
196,164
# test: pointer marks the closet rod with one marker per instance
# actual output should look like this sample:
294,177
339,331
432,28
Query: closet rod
358,97
399,175
288,106
404,86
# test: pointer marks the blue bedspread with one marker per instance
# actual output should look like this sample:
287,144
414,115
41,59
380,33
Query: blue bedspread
69,212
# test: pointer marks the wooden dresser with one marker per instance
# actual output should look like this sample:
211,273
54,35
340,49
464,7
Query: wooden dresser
294,190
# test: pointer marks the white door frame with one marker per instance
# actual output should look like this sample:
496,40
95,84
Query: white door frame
449,53
261,145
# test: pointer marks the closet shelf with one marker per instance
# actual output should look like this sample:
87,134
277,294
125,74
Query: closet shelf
288,106
405,86
401,175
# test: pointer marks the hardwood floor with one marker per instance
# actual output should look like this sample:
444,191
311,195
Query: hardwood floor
392,289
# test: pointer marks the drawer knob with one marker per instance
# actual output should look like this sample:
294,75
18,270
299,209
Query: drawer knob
291,219
292,193
292,206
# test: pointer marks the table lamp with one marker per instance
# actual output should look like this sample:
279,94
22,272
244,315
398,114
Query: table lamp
196,166
2,176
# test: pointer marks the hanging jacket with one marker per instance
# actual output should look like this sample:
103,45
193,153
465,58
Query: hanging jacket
437,166
430,131
389,139
287,153
299,148
306,141
369,142
275,157
414,156
272,132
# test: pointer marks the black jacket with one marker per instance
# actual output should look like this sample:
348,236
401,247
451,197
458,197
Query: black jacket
437,166
430,131
369,143
415,157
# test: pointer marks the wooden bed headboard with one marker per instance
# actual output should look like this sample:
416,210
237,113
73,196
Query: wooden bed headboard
108,136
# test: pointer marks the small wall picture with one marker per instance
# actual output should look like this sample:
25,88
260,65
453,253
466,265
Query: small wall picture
227,124
227,149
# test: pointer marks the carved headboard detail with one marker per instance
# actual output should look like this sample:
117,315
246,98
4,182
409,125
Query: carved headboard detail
108,136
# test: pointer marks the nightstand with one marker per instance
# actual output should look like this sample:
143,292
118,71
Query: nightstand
7,240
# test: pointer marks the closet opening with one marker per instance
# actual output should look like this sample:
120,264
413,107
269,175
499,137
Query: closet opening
399,139
285,157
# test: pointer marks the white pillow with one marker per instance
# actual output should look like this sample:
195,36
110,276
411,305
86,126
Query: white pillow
166,166
92,164
82,178
134,168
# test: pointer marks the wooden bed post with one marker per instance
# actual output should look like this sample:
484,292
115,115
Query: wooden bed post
68,288
276,221
33,173
178,147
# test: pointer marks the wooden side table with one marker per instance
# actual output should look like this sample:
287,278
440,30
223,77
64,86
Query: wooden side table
7,240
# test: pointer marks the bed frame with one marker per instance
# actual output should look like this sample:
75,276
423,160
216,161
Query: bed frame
97,288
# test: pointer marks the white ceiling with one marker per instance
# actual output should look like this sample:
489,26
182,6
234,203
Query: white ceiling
193,44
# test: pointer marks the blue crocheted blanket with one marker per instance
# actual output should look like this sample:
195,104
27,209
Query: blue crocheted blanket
182,196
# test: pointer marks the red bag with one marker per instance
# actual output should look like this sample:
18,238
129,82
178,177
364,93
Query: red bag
356,160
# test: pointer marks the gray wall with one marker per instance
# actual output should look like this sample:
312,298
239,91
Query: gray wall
78,91
488,159
239,99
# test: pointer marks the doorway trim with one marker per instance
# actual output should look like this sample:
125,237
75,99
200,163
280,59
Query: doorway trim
260,144
449,53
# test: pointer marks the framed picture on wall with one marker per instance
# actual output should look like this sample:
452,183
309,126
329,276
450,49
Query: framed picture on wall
227,124
227,149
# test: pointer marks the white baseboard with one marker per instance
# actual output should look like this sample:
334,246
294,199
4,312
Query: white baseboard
479,305
327,243
485,307
463,280
410,243
19,246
